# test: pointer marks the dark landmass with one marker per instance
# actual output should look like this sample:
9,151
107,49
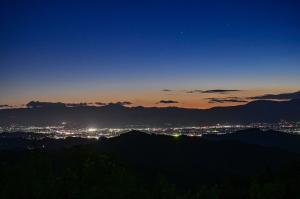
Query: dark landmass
282,96
117,115
179,156
20,141
270,138
139,165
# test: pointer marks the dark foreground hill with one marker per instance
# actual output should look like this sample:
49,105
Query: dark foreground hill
180,155
138,165
116,115
270,138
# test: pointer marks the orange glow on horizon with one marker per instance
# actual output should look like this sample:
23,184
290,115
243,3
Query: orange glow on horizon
150,98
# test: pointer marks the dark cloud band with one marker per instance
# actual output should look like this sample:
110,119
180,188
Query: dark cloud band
213,91
226,100
167,102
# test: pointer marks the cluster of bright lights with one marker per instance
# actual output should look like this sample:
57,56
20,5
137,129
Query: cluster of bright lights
176,135
61,131
91,129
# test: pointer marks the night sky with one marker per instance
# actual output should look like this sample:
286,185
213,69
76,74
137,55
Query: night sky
145,52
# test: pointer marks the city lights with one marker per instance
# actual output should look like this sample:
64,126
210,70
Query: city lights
62,132
92,130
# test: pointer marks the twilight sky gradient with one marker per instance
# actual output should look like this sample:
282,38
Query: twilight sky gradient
103,51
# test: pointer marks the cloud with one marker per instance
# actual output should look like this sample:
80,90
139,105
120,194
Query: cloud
220,91
167,102
37,104
124,103
100,103
77,104
282,96
195,91
226,100
166,90
5,106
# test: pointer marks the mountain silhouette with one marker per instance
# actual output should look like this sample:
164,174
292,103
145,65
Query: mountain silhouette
195,159
117,115
186,159
270,138
140,165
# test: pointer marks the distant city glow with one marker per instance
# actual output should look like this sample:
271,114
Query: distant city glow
92,130
62,132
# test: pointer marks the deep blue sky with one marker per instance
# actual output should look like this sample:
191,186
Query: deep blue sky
97,50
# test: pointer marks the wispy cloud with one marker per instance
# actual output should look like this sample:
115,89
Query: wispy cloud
5,106
226,100
77,104
167,102
124,103
166,90
194,91
100,103
220,91
38,104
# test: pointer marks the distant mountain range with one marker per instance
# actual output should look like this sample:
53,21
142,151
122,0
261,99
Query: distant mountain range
118,115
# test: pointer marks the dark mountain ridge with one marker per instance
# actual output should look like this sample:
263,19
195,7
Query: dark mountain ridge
197,159
270,138
187,158
113,115
139,165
